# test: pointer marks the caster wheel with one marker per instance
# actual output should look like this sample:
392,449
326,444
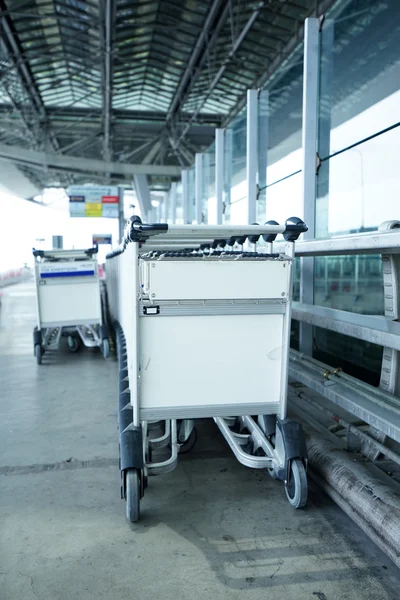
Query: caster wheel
132,495
105,348
188,444
38,354
73,343
297,487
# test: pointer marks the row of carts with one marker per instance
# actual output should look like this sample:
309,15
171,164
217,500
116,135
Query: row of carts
201,321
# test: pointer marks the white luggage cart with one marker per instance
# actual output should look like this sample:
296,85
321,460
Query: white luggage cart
68,301
203,330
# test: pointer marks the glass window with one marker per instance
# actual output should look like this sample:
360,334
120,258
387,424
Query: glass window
285,100
236,174
284,199
358,189
356,357
352,283
359,73
238,128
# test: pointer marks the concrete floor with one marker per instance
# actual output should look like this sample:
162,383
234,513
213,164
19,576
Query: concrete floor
212,529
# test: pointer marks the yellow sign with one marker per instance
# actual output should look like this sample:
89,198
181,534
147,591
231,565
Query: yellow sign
93,209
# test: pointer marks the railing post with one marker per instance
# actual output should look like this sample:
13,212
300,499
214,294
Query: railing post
227,176
219,174
173,201
252,154
309,167
263,103
185,195
198,186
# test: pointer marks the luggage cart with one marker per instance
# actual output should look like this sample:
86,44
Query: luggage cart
68,301
202,326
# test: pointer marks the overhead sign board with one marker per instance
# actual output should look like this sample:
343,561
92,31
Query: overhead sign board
93,201
102,238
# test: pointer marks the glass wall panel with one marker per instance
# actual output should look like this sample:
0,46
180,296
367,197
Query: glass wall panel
358,180
359,359
285,99
358,189
235,173
284,199
359,73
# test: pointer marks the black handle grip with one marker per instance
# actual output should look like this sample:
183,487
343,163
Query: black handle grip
294,228
253,239
270,237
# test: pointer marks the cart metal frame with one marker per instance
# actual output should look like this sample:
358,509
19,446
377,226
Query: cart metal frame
268,439
61,268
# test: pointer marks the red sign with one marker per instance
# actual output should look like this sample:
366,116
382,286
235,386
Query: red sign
109,199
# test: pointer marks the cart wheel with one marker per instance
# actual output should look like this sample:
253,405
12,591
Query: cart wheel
73,344
188,444
297,487
38,354
105,348
132,495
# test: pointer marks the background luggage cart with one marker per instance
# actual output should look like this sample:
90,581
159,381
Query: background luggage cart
204,332
68,301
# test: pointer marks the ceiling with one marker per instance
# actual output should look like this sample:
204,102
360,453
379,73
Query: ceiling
124,83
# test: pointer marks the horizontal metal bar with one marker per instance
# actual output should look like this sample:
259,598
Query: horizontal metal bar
204,411
385,418
370,328
76,322
51,160
385,242
215,231
177,309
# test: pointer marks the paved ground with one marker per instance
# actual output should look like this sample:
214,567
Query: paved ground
210,530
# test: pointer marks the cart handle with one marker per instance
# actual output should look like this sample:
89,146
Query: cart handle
136,231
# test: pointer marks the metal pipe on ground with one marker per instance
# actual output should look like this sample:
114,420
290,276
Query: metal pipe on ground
374,506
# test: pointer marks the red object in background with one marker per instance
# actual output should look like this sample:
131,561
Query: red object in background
334,286
101,271
109,199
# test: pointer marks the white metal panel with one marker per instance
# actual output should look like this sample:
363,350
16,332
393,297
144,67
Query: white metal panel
206,280
69,302
208,361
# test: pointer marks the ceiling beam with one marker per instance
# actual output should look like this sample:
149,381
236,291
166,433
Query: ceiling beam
320,8
108,9
222,69
77,165
198,55
27,81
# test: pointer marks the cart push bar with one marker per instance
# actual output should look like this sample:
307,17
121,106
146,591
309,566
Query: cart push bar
213,235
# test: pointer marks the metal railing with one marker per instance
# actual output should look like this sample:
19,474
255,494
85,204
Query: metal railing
378,407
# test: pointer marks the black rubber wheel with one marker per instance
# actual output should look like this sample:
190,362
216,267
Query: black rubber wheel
105,348
38,354
297,486
132,495
74,344
188,444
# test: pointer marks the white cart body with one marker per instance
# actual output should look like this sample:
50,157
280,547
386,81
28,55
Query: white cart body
212,336
68,300
68,292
